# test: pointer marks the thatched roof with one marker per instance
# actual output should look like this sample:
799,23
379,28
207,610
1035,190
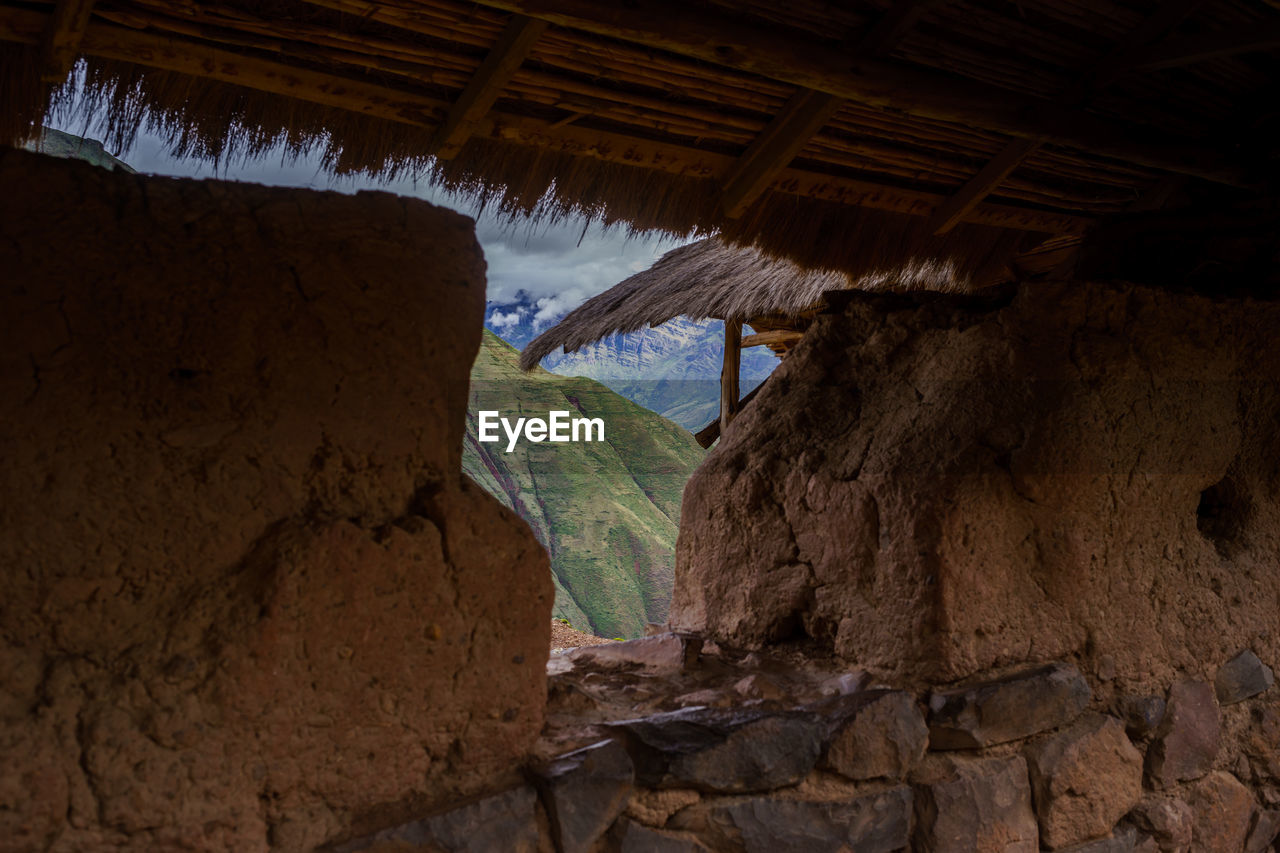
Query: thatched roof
709,279
786,124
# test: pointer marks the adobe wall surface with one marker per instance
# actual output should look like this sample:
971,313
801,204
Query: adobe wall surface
246,597
935,488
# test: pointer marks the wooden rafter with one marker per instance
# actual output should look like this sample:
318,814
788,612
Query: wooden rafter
692,31
953,211
1173,53
503,60
806,114
771,152
992,175
61,43
180,55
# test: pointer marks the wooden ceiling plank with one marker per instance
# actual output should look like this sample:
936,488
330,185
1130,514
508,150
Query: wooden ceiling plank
1174,53
891,26
502,62
199,59
61,43
989,179
775,148
692,31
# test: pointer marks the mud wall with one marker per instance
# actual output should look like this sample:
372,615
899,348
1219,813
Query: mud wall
247,598
937,487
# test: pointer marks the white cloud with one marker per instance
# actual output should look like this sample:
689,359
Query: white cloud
498,320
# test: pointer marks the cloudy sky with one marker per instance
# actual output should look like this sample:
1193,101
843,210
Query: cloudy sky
557,264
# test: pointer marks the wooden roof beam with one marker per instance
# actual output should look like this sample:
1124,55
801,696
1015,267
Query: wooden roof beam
954,210
989,179
773,337
718,38
61,44
775,148
502,62
1174,53
806,114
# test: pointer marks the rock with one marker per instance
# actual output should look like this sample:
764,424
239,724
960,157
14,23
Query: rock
1008,708
654,806
845,683
884,738
965,805
238,557
627,836
730,751
709,697
1170,822
1188,738
877,822
1224,813
506,821
1084,779
584,792
1122,840
662,652
757,686
1142,714
1146,844
1266,827
1242,677
1261,741
984,461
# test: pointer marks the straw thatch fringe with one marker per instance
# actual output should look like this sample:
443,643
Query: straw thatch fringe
221,122
713,279
521,181
701,280
874,244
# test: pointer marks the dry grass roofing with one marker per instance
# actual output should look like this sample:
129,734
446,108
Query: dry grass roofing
982,135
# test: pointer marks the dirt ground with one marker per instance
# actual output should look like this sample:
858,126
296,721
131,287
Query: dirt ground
564,636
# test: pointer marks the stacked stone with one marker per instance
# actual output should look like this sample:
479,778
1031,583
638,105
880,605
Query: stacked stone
1015,763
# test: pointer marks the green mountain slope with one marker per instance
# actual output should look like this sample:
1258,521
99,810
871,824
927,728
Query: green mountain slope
606,511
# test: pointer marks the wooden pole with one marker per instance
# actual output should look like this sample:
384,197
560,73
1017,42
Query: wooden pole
729,371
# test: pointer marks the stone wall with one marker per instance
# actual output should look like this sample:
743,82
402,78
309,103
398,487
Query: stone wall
697,749
247,598
935,487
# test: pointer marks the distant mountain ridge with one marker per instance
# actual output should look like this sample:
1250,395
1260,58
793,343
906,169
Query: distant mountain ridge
607,512
673,369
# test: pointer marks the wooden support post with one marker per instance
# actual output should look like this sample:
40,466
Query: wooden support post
729,371
61,43
490,78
